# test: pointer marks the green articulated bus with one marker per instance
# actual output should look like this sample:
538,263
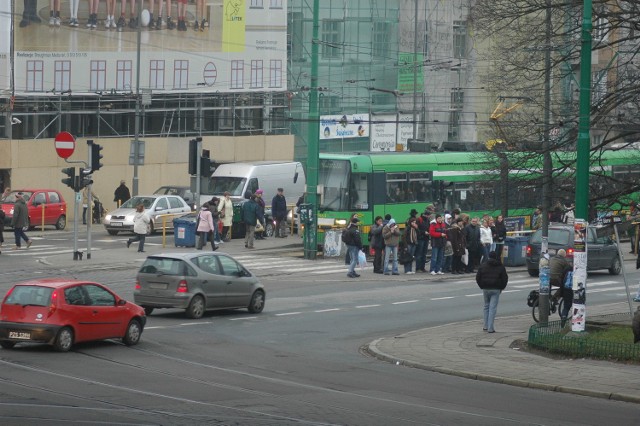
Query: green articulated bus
376,184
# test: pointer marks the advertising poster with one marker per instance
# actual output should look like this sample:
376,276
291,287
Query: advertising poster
578,310
242,47
5,45
383,133
344,126
405,129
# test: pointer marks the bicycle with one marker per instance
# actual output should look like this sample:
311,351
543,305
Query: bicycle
555,304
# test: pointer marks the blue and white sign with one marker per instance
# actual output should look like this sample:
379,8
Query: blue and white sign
344,126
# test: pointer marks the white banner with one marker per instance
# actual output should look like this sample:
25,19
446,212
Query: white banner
344,126
383,133
405,129
5,45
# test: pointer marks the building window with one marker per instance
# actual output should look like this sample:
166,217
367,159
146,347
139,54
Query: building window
123,75
380,46
98,75
156,77
257,72
226,117
35,75
599,84
275,73
62,76
294,36
237,74
459,39
256,4
180,74
275,4
331,39
455,114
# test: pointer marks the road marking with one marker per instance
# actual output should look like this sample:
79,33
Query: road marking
288,313
509,291
474,295
330,271
196,323
366,306
406,301
442,298
327,310
600,290
242,319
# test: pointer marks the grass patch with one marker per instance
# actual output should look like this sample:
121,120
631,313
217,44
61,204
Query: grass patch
612,334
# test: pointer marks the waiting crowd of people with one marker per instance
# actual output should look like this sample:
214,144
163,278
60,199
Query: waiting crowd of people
458,242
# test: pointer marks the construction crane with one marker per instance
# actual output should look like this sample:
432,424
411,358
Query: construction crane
499,111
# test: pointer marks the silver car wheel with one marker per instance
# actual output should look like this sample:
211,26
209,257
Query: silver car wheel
257,302
196,308
64,340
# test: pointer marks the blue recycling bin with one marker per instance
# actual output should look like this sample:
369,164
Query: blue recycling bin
184,231
516,251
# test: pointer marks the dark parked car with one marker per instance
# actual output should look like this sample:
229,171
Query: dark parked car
61,312
602,252
197,282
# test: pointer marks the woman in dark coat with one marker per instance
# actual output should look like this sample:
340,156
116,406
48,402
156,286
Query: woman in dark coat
458,244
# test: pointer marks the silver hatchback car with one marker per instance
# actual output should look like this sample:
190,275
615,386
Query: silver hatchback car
197,282
160,208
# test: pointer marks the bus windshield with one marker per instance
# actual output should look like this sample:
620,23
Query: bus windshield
219,184
341,189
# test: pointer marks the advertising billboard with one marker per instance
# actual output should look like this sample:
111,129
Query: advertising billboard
344,126
241,48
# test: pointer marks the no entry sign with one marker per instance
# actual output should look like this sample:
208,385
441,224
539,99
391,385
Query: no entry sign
65,144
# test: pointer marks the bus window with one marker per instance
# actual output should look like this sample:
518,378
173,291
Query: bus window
397,187
333,177
419,186
359,191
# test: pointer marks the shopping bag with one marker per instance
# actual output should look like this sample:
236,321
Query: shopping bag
465,257
362,259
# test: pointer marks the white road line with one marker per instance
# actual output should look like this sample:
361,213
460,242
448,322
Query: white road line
330,271
473,295
442,298
406,301
510,291
600,290
288,313
327,310
196,323
366,306
242,319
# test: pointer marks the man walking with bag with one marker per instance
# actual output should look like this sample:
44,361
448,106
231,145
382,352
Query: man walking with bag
351,237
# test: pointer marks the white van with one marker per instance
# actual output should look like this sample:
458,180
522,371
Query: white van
243,178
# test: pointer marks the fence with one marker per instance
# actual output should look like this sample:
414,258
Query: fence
556,338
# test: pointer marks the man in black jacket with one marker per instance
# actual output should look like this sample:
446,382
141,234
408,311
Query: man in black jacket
472,238
492,278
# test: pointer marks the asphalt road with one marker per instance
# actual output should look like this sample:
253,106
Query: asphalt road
299,362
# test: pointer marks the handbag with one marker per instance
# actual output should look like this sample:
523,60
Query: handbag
465,257
221,211
259,227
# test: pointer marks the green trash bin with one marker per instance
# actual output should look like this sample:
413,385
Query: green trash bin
516,251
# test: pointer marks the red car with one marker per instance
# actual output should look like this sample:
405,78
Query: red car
47,203
62,312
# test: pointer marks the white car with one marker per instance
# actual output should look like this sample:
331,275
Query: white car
160,208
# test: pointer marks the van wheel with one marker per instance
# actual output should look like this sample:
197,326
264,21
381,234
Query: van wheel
533,272
616,268
61,223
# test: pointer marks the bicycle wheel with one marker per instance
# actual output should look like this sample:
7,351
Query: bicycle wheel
535,311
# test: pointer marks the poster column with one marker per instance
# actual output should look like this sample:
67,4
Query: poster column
579,285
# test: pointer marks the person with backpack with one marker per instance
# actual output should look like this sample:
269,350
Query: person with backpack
351,237
422,245
492,278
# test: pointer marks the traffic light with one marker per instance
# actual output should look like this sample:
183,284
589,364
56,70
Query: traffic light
193,157
71,177
205,164
95,156
84,179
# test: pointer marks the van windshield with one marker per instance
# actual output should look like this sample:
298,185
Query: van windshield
219,184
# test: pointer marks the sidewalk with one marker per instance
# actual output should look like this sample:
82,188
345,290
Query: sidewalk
463,349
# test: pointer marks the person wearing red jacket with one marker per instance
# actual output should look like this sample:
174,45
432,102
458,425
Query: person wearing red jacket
438,234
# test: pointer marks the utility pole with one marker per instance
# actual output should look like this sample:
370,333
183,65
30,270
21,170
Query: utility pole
136,141
582,164
545,288
313,148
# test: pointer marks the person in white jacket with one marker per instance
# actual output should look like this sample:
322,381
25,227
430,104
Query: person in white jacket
141,223
486,240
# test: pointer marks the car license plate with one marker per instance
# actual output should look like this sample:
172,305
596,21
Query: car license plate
19,335
116,224
158,286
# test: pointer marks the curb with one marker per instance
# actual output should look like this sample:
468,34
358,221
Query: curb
372,350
